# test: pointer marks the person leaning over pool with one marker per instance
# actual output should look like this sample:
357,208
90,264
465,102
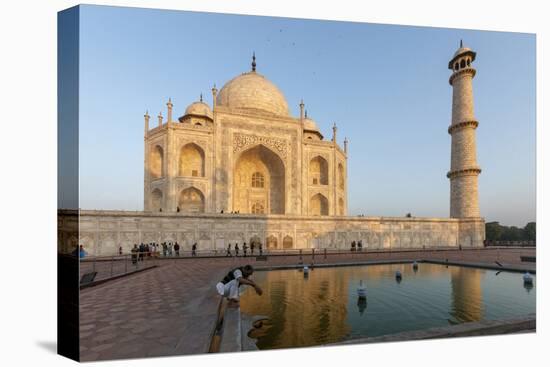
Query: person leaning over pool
229,286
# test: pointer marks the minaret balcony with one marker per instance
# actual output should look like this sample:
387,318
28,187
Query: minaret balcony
466,70
462,125
471,171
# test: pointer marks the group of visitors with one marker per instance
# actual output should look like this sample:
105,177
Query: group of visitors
153,249
245,249
357,246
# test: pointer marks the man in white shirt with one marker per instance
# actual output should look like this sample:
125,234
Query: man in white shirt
229,286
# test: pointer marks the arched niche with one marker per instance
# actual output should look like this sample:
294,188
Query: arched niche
156,162
191,161
271,242
156,200
318,205
287,242
318,171
191,200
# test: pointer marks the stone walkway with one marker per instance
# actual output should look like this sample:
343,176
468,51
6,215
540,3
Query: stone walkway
172,309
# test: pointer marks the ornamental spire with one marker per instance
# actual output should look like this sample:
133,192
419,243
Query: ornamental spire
461,43
346,145
214,94
146,120
201,97
253,61
169,105
160,118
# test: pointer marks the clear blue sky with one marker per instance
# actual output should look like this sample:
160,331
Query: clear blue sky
385,86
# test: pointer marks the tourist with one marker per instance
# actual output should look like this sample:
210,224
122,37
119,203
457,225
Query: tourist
360,245
353,246
244,249
177,249
252,248
229,286
141,251
120,250
81,252
228,250
170,249
260,248
236,249
194,249
135,254
164,249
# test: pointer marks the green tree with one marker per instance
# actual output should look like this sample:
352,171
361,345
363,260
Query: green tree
493,231
530,231
512,233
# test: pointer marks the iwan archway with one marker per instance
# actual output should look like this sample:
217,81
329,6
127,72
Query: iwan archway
259,182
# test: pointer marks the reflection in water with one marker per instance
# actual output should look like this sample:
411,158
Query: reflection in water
466,301
307,312
528,286
361,305
325,308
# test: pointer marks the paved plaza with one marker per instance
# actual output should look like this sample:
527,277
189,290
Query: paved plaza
172,309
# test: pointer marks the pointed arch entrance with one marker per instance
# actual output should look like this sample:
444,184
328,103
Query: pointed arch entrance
259,182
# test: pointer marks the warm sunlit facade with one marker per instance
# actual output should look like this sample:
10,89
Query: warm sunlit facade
245,170
244,154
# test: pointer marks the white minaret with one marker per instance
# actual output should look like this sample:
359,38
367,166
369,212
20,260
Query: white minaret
464,168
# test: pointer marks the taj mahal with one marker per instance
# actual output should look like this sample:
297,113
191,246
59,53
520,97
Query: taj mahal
244,169
247,155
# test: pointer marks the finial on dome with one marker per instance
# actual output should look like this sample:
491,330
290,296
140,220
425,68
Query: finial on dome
253,61
201,97
461,43
306,114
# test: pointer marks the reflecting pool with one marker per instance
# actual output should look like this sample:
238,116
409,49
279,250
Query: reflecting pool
323,307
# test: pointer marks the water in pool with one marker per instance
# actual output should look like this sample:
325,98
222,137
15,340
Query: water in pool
324,307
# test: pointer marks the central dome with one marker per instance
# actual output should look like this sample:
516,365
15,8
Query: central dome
252,91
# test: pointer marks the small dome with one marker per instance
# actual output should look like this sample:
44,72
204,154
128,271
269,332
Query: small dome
199,109
310,125
253,91
461,51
